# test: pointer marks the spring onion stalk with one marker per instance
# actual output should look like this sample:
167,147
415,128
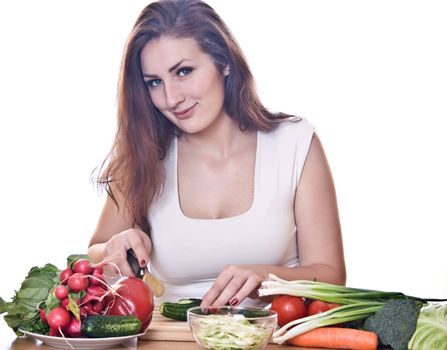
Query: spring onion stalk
356,304
327,292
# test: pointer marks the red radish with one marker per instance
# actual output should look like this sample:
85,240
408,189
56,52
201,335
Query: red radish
99,269
82,266
88,298
96,278
134,298
58,317
96,291
54,332
64,303
61,292
65,275
73,329
98,306
86,310
78,282
42,315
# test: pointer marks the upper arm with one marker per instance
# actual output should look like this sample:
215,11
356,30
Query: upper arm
316,213
113,219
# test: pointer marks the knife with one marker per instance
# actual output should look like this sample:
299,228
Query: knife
142,273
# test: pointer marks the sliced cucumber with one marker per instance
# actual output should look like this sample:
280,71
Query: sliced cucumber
177,311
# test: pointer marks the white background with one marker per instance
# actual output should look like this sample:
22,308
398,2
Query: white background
370,75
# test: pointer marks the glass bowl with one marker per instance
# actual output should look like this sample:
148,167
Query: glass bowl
228,327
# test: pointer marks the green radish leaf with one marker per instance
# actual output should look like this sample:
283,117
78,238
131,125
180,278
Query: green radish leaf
73,307
51,302
23,309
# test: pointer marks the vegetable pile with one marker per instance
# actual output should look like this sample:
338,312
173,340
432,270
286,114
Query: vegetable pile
77,302
317,314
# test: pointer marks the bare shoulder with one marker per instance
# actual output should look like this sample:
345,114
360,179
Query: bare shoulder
316,158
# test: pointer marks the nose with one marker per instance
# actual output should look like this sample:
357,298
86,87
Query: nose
173,94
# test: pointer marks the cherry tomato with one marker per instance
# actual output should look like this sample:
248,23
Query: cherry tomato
289,308
318,306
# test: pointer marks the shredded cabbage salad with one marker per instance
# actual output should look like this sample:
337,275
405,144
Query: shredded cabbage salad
226,332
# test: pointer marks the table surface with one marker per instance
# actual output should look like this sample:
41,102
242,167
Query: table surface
9,341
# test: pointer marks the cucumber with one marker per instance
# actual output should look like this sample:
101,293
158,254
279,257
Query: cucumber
104,326
177,311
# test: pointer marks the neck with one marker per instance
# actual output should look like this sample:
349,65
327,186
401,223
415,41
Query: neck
220,140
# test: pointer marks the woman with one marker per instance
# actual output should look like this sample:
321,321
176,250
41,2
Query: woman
205,184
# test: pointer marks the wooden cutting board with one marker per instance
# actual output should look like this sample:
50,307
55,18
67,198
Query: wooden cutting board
163,328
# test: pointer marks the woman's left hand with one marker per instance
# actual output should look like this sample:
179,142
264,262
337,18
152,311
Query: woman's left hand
233,285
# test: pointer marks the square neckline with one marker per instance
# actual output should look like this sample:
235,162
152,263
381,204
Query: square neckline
233,217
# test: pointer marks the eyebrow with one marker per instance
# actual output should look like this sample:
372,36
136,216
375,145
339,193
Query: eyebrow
169,70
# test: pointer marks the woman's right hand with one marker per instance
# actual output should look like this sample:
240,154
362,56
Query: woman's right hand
115,249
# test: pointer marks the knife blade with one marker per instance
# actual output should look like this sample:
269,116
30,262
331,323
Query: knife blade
142,273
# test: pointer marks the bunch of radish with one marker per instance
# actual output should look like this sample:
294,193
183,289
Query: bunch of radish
82,291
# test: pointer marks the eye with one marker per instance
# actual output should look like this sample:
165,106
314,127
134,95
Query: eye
184,71
153,83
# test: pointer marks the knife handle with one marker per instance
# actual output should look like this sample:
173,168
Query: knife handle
134,264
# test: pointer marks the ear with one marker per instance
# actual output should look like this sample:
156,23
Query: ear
226,70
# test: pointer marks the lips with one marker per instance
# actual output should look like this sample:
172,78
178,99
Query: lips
185,113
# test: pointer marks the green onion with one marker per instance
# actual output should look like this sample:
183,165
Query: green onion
356,304
327,292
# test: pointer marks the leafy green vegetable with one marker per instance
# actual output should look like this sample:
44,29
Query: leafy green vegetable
23,311
395,322
431,329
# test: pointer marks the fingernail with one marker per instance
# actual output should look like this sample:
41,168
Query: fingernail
234,302
143,262
213,310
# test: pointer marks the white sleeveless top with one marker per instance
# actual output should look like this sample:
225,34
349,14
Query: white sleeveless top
188,253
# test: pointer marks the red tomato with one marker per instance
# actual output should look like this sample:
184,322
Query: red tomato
289,308
318,306
135,299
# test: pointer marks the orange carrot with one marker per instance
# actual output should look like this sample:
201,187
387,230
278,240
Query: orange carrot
336,338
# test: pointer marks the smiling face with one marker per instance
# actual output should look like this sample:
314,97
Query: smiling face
183,83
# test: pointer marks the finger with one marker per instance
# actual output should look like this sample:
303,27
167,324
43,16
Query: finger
146,241
118,262
125,269
218,286
229,292
140,249
250,285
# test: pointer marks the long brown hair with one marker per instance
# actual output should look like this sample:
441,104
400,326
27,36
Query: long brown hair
135,164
